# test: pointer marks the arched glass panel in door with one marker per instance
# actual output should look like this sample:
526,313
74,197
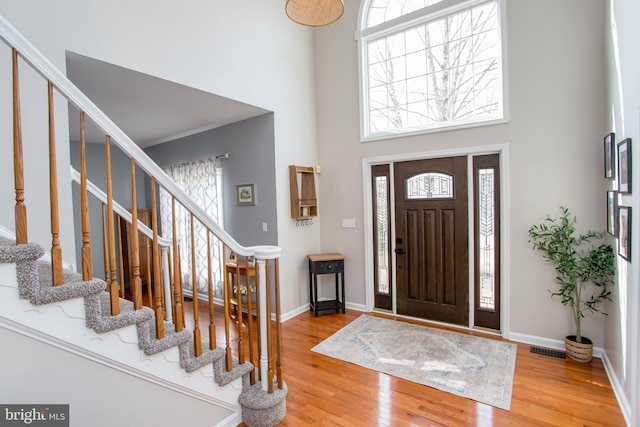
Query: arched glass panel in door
431,185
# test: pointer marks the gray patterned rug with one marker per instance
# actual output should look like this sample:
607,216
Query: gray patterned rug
476,368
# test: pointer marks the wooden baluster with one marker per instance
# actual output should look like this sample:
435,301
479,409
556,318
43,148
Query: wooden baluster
172,286
227,315
87,260
239,316
258,326
147,242
197,342
18,162
105,258
56,250
252,375
180,287
212,326
278,324
178,310
120,257
136,284
267,308
113,285
157,280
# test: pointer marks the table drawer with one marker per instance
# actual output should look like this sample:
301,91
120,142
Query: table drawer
324,267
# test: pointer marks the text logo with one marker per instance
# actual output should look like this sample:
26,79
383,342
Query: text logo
34,415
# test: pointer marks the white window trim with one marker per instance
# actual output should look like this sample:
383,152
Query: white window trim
438,10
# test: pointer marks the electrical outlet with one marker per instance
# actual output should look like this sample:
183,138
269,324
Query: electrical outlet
264,227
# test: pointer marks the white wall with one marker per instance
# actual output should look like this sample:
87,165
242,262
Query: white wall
248,51
622,344
554,61
97,395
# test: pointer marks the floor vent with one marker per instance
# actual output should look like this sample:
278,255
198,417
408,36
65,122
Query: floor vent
547,352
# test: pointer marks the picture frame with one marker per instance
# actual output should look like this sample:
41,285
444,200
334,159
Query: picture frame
246,195
624,227
609,148
624,166
612,213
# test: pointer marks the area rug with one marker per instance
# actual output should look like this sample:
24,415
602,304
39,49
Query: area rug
473,367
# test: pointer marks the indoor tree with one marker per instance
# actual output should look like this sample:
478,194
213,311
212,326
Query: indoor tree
577,261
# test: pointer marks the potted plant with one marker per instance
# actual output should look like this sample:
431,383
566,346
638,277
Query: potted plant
577,262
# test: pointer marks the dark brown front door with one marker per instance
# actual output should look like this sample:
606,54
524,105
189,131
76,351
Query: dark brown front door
432,259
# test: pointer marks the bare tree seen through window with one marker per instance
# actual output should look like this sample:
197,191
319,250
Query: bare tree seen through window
439,73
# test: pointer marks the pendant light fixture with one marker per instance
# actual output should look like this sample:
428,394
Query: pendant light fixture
314,13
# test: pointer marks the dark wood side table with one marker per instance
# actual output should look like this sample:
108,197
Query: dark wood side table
330,263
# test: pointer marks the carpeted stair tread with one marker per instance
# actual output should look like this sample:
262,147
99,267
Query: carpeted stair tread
190,362
10,252
152,345
72,287
224,377
100,319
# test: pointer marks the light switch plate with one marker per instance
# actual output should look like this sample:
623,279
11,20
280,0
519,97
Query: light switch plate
348,223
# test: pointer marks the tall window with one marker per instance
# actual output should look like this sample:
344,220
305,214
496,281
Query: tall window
429,64
200,180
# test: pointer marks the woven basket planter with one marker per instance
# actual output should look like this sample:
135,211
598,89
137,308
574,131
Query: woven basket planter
578,351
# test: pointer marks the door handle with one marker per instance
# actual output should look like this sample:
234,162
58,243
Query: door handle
399,251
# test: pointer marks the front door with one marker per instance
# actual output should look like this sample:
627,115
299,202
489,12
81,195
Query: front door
432,259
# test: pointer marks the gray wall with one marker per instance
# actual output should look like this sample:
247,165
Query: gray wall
250,144
121,185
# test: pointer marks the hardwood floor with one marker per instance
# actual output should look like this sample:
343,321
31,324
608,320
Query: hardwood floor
322,391
328,392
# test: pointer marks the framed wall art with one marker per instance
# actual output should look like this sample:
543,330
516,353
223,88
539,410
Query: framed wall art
246,195
612,213
609,152
624,230
624,166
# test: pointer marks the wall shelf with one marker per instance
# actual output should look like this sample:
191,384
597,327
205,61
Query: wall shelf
304,204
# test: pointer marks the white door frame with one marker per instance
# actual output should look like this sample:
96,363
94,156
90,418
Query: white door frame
505,282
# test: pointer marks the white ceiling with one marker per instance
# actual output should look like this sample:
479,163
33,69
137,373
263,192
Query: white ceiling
148,109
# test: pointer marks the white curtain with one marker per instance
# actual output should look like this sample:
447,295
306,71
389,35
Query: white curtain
201,181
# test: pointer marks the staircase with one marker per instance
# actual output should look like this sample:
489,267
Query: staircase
41,297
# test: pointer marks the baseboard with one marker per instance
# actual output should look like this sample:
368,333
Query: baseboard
618,391
293,313
231,421
5,232
547,342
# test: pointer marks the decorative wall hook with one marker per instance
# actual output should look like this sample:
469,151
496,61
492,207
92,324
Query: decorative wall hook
301,222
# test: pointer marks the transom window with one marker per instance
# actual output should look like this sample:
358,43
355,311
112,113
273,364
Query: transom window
429,64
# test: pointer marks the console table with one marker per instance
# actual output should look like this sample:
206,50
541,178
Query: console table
330,263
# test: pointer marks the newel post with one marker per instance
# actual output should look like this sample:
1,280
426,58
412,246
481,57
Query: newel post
263,254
